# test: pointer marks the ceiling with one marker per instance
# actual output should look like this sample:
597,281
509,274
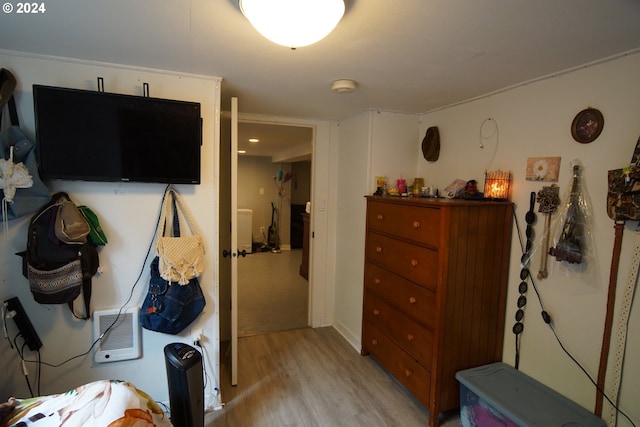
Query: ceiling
408,56
283,143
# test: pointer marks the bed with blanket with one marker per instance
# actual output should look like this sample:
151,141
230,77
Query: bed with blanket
108,403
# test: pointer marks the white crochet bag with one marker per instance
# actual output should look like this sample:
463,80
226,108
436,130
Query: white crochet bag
181,256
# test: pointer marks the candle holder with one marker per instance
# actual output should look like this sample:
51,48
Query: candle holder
497,185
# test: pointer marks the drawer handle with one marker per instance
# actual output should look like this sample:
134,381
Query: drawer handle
408,372
410,337
414,262
416,224
374,342
380,217
376,311
412,300
377,281
378,249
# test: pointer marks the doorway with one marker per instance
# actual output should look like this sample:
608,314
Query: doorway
319,304
274,185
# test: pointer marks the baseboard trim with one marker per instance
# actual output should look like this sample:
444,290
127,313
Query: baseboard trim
351,338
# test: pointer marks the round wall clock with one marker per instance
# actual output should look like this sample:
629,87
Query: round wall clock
587,125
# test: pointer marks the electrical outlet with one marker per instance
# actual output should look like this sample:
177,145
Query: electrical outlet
23,323
196,337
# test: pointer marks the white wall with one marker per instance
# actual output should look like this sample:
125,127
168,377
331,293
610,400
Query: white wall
353,162
393,147
256,174
128,213
257,189
534,121
372,143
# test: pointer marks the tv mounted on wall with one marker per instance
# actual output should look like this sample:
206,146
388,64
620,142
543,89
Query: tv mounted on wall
97,136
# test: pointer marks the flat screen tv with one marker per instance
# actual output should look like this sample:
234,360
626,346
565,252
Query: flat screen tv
97,136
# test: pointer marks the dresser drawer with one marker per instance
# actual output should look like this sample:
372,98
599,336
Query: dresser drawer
414,300
414,338
420,224
412,262
415,377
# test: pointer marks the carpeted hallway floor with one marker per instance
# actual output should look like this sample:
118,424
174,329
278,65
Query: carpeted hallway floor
272,296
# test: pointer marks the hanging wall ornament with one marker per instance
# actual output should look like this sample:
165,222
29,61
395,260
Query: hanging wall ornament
489,136
431,144
573,244
548,200
570,245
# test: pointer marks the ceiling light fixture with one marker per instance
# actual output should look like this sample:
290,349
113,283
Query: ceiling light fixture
293,23
343,86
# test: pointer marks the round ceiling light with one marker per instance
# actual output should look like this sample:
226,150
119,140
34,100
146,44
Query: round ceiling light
293,23
343,86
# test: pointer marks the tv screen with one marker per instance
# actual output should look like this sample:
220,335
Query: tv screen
97,136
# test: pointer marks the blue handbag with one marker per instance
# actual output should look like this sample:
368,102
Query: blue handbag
26,200
170,307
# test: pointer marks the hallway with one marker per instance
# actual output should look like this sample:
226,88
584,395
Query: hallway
272,296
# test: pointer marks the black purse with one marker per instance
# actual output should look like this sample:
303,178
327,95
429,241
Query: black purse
168,306
58,271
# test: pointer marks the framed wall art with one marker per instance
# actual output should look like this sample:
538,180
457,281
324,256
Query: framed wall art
543,169
587,125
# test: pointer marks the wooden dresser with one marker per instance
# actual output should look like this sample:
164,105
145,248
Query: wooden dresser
435,284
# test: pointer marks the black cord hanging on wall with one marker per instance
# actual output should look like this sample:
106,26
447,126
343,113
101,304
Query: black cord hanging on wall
518,327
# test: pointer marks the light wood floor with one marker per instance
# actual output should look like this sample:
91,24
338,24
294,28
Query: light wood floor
312,377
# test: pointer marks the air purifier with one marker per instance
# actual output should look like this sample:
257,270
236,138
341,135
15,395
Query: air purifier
186,386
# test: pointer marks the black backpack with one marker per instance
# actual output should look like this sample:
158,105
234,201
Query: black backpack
57,271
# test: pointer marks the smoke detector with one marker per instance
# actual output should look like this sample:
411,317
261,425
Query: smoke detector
343,86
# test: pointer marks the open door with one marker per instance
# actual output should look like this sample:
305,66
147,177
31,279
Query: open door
234,241
229,237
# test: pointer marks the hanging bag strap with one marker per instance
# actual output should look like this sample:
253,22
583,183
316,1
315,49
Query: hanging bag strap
86,296
7,85
165,212
175,228
180,209
624,313
183,209
13,117
608,323
13,112
169,209
619,218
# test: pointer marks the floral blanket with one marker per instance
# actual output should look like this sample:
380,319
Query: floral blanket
107,403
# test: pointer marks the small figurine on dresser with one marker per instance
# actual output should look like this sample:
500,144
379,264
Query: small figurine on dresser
471,191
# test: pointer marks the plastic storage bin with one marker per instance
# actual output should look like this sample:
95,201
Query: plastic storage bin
499,395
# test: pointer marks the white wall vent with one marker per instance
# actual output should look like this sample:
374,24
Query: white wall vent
122,340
